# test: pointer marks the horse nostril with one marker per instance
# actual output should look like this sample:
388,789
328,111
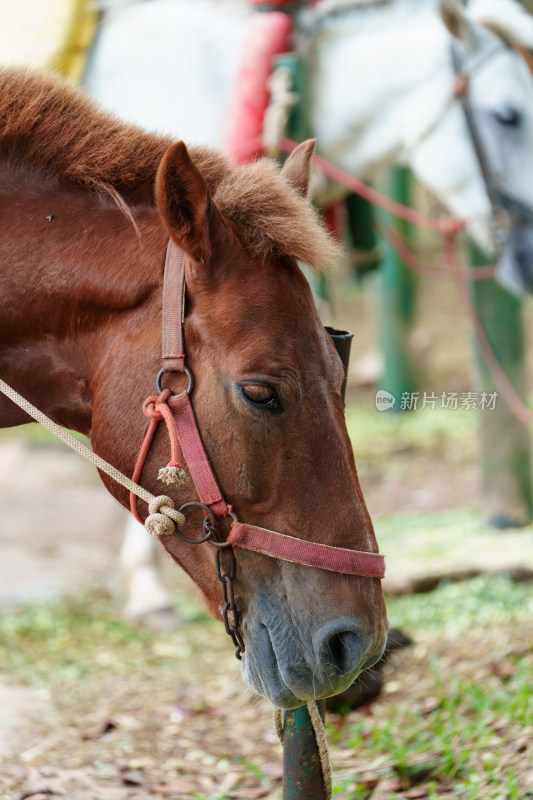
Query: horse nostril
345,649
341,651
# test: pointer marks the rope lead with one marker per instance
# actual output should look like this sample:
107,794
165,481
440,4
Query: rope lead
162,517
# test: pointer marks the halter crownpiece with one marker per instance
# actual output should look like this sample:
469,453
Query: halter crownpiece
177,412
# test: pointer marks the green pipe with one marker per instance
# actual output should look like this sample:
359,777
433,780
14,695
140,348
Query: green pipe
398,301
364,241
302,773
297,123
504,440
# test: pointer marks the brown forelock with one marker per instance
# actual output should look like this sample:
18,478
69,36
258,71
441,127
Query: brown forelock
47,124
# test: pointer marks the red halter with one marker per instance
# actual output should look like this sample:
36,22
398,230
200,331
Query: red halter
178,413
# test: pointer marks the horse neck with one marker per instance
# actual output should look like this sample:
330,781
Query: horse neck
381,79
76,278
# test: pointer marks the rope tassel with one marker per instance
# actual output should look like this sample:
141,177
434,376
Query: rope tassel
173,474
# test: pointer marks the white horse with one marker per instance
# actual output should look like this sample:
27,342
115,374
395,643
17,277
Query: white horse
381,90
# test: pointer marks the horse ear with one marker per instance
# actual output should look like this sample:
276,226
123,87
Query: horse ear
297,168
457,23
184,203
507,19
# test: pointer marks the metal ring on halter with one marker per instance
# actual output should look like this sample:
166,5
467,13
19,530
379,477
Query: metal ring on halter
222,545
186,371
209,515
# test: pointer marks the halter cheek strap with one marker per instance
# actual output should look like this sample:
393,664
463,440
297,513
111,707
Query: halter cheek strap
178,414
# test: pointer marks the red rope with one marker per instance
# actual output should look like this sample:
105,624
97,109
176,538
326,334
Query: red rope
463,275
156,409
447,227
515,403
413,262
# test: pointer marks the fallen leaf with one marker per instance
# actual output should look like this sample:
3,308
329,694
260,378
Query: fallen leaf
416,793
521,744
35,796
133,777
430,705
370,780
390,785
273,770
503,669
174,787
230,781
249,794
100,729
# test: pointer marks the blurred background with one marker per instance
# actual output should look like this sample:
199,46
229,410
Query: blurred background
114,683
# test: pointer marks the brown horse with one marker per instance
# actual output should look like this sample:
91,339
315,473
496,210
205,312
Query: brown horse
87,206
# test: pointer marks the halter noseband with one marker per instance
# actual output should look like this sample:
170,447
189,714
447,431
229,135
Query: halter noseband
177,411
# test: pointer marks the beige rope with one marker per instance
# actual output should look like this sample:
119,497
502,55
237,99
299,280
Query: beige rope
322,744
321,741
159,507
277,718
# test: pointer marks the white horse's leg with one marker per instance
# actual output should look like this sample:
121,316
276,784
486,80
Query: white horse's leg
148,599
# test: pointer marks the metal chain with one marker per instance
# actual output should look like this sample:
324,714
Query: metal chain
230,613
225,574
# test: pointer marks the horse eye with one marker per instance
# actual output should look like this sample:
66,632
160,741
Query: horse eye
508,115
260,395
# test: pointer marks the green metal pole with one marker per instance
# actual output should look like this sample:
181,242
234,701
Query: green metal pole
360,222
297,123
302,773
399,290
504,440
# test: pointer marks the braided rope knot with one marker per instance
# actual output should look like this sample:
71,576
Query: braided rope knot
164,517
150,405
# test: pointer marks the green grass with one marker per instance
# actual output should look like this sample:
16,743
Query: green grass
457,607
452,718
38,436
458,723
465,740
378,432
70,638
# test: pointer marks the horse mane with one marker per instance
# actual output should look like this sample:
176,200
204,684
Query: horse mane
49,126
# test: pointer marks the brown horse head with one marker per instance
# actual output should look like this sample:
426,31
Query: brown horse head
267,377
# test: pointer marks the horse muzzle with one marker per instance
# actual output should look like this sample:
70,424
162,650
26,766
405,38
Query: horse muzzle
515,265
308,633
289,671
